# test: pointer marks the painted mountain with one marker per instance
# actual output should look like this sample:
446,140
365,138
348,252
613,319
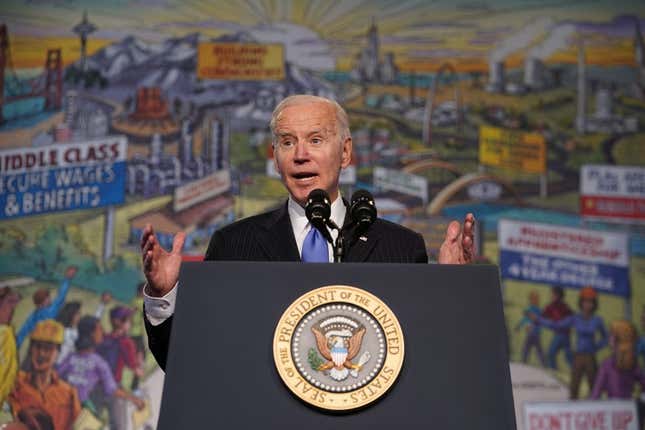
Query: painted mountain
131,63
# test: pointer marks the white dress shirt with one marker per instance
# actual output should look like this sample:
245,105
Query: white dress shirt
301,226
159,309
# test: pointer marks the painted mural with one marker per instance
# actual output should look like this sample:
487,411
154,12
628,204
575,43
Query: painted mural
531,114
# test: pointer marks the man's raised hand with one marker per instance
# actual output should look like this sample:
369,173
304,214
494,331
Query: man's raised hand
160,267
458,246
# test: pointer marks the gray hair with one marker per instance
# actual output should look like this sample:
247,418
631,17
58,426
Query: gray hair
342,122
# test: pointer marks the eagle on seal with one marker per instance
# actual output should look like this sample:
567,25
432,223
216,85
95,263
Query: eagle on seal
339,351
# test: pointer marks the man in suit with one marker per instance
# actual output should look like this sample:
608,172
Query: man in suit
312,143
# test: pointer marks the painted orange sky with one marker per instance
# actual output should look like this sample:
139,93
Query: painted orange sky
418,33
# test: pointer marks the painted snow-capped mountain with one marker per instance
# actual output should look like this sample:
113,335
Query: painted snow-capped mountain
132,63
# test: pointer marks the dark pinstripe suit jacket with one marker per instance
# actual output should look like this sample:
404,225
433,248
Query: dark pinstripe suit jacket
269,237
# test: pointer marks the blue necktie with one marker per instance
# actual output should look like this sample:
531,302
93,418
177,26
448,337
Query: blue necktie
314,247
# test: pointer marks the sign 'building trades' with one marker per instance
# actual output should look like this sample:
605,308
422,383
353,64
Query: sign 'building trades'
240,61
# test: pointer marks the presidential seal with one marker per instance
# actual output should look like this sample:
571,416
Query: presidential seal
338,347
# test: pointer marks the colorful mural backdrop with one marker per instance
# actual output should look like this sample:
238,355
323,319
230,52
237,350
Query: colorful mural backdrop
531,114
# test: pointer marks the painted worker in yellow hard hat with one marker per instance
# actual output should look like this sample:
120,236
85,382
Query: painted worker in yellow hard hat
46,307
41,387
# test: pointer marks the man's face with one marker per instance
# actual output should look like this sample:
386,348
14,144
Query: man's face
587,305
534,299
7,306
309,153
122,324
43,355
46,302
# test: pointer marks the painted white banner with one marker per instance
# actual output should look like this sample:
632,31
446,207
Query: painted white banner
613,193
614,181
564,256
581,415
565,242
58,155
201,189
402,182
62,177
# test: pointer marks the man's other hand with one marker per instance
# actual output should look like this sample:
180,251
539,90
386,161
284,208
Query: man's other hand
160,267
458,246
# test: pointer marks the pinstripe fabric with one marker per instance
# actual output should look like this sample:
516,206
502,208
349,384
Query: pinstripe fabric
269,237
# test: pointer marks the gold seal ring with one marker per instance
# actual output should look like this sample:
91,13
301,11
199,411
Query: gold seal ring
338,347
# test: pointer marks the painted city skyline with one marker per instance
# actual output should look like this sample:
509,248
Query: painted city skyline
468,34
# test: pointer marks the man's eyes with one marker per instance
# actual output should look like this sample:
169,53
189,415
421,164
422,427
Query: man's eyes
287,143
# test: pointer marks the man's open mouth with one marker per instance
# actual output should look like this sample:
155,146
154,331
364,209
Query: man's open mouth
301,176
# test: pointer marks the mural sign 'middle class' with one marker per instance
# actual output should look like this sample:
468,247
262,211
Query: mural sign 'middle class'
338,347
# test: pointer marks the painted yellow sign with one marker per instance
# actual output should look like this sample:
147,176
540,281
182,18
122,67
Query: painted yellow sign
240,61
509,149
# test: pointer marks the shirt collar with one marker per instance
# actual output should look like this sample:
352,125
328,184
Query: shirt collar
299,221
26,377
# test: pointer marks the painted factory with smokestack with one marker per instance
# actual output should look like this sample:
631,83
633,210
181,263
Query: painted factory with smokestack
160,173
536,76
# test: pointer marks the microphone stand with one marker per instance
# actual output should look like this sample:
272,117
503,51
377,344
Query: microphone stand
339,244
339,247
318,212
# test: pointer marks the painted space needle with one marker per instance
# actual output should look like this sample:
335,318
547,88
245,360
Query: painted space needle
83,29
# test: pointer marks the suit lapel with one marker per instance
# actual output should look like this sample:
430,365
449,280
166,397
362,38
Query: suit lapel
360,247
277,240
279,244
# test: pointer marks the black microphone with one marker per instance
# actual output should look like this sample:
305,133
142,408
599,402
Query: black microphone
318,212
318,209
362,210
